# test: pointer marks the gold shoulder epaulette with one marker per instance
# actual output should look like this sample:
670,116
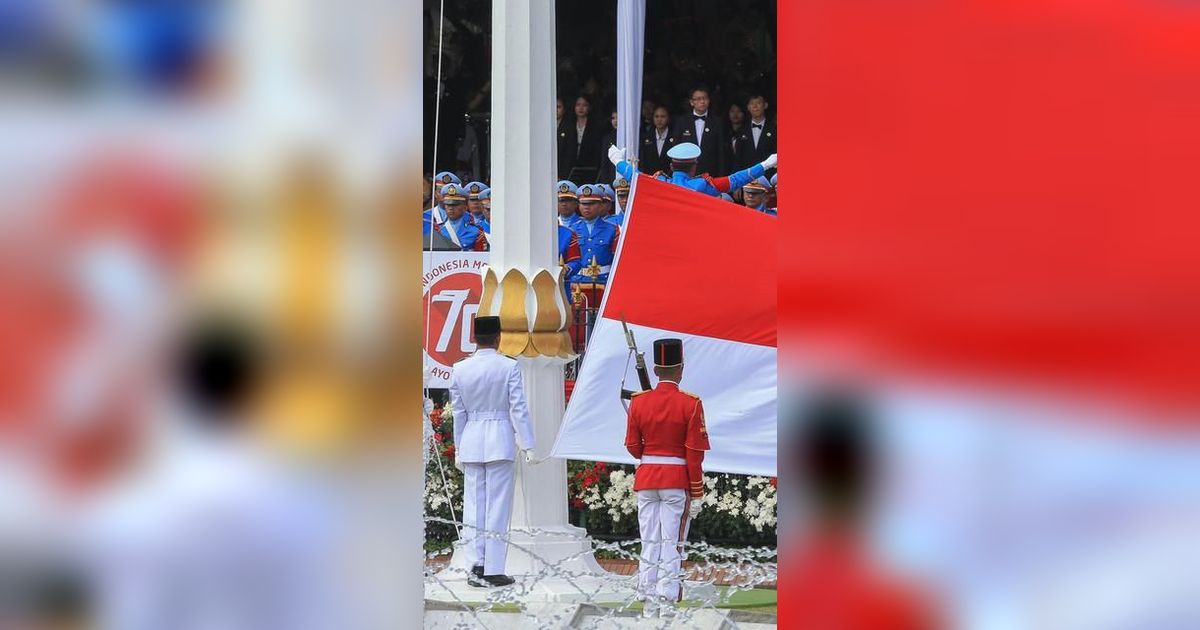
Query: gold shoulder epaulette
697,397
636,394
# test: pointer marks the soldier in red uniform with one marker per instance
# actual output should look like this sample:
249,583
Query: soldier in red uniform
666,432
832,581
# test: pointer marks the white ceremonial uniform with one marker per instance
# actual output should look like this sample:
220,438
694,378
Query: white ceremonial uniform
662,524
488,398
213,534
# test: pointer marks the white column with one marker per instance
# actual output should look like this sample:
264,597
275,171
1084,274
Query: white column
524,236
524,151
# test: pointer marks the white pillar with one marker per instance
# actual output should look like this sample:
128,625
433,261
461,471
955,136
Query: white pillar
525,237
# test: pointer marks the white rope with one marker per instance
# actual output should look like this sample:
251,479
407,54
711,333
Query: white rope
437,113
428,255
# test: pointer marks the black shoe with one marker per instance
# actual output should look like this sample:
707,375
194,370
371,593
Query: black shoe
498,580
477,570
480,582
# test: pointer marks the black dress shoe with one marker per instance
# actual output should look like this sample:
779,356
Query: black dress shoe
498,580
480,582
477,570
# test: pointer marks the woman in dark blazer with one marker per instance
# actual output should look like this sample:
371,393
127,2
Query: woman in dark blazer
653,154
579,139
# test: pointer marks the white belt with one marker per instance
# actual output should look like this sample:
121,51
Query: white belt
487,415
661,459
603,270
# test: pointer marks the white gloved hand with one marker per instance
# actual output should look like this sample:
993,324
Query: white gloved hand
770,162
528,453
694,507
615,155
459,465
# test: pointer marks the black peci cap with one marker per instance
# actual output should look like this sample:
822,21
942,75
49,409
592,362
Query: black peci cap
668,352
487,325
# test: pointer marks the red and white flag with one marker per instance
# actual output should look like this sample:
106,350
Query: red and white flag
703,270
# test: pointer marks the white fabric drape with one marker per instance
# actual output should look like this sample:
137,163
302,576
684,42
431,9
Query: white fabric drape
631,31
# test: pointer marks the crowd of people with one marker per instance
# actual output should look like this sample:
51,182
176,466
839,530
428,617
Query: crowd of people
699,147
738,140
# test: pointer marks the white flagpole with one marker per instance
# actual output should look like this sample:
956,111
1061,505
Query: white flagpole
631,37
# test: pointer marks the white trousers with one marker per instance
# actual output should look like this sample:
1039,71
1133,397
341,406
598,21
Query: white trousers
661,515
487,508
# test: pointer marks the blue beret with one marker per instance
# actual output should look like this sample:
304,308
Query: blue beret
684,152
447,177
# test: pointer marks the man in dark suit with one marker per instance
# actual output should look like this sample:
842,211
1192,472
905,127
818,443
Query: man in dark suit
707,131
760,138
652,155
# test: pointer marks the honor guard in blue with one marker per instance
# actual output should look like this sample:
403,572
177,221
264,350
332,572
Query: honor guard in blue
458,227
607,200
485,198
473,206
437,214
621,196
484,218
569,254
597,238
683,170
441,179
610,206
754,195
568,203
621,186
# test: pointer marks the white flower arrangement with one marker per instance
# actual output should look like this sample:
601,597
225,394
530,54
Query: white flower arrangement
751,498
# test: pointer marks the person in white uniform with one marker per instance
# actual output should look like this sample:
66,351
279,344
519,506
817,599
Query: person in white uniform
212,530
488,398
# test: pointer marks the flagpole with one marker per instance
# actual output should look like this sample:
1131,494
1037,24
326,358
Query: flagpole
631,29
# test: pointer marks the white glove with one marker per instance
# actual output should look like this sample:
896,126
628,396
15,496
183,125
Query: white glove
694,507
615,155
459,465
769,163
528,453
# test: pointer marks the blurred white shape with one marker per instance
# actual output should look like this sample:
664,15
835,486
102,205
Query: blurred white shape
212,535
1039,513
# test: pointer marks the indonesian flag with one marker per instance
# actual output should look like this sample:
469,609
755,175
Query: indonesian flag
998,230
700,269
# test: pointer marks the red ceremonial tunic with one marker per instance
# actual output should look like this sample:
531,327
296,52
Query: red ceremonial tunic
830,584
668,422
